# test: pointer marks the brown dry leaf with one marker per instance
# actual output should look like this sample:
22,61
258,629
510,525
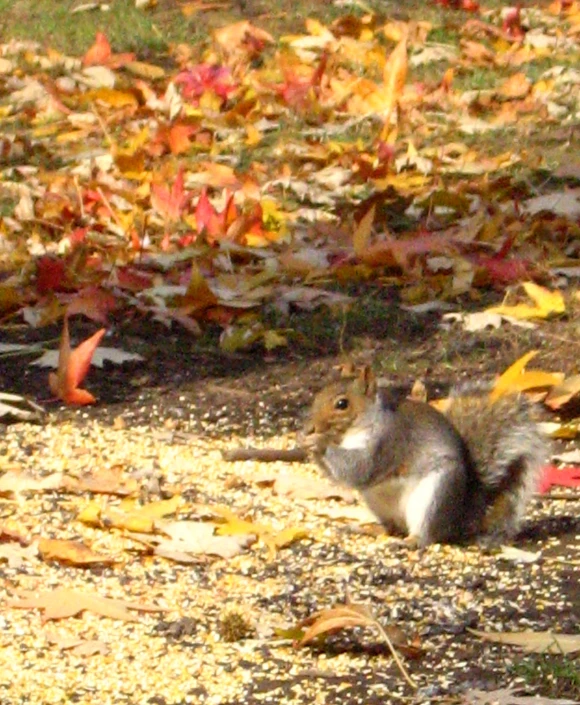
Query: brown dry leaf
107,480
72,552
62,603
561,393
335,619
534,642
355,615
362,234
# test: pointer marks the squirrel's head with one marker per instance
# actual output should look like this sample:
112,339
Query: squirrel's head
336,406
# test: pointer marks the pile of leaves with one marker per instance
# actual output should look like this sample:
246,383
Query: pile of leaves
241,177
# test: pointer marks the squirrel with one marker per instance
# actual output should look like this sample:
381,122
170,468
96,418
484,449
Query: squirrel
452,477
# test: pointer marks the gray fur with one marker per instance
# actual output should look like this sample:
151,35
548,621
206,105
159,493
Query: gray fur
485,459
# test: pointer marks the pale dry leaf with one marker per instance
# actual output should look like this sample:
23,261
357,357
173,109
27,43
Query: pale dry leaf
77,645
508,696
100,356
16,408
62,602
300,487
571,456
15,482
534,642
518,555
566,203
17,555
361,514
196,537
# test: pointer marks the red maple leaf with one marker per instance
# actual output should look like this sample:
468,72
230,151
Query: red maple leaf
213,224
564,477
201,78
512,23
50,274
73,366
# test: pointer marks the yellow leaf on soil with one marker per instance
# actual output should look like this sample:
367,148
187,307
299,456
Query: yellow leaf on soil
547,303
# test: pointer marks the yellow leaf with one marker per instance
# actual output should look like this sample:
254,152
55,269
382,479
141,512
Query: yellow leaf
505,383
394,77
547,303
144,70
254,136
546,300
288,536
157,510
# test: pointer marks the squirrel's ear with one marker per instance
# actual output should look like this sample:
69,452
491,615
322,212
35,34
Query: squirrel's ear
347,369
365,381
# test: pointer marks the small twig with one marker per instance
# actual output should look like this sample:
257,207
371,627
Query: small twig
266,455
400,664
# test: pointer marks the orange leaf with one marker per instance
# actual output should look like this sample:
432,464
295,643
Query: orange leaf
99,53
72,552
73,366
170,202
362,234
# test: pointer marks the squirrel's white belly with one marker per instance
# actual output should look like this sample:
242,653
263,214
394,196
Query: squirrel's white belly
417,502
357,439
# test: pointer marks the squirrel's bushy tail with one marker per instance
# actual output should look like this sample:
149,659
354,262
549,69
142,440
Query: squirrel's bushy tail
508,452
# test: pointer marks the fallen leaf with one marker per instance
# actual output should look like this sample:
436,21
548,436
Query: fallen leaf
190,538
559,477
333,620
73,366
300,487
100,356
534,642
77,645
508,696
547,302
517,379
16,554
511,553
62,603
562,393
15,482
70,552
14,408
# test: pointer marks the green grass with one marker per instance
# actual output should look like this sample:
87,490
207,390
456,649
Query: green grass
148,31
53,24
553,676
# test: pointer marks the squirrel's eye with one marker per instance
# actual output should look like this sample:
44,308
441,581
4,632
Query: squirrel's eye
341,403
